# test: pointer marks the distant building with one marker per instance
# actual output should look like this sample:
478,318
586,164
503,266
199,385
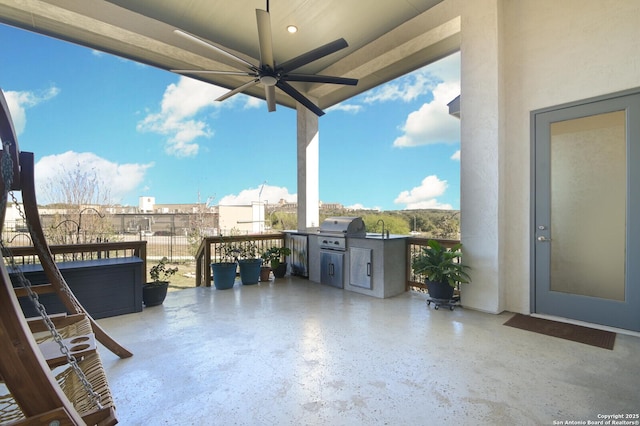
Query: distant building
146,204
169,219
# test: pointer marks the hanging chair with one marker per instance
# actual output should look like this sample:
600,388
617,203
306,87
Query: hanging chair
50,369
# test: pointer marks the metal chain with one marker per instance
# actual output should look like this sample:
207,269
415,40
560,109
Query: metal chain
36,242
33,296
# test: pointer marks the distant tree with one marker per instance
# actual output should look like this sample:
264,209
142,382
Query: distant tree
447,226
81,198
282,220
393,223
201,224
77,187
432,223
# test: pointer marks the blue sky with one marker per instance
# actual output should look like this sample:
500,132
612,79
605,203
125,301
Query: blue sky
149,132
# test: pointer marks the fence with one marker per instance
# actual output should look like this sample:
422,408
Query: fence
216,249
177,248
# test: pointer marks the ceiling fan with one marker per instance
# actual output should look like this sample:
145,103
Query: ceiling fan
270,74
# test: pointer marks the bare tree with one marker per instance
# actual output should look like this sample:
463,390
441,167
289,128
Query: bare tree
80,198
201,223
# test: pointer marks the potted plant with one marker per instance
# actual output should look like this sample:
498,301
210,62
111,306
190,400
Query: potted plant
274,256
224,270
248,262
265,272
442,269
154,292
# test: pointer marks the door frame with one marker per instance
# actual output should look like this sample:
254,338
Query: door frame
633,175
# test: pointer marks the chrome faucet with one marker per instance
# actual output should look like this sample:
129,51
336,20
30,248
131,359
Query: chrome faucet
382,234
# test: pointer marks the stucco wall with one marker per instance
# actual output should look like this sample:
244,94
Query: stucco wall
519,56
480,153
553,52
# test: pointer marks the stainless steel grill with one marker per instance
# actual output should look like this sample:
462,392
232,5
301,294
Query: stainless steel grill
332,239
334,230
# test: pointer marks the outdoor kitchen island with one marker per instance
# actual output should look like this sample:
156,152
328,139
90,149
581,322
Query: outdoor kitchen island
377,267
359,262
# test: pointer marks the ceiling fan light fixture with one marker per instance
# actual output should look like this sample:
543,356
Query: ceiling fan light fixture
292,29
268,80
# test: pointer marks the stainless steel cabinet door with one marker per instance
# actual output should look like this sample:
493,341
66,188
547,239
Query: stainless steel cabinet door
331,268
360,271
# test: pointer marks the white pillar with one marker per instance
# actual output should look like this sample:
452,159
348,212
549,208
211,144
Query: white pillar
308,169
481,132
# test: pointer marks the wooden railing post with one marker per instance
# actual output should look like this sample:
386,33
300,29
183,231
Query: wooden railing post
207,263
142,254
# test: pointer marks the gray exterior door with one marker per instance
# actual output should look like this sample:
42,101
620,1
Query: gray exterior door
586,211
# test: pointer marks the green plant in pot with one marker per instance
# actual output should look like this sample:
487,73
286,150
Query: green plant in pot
155,291
274,256
248,262
442,268
224,270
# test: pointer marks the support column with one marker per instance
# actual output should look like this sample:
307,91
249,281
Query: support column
481,156
308,169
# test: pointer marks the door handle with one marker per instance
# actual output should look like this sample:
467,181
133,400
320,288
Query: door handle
541,238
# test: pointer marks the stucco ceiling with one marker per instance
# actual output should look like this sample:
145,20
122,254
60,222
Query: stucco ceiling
386,38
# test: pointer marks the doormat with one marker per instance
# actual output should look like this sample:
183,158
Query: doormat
588,336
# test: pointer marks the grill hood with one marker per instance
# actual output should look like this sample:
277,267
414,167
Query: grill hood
343,226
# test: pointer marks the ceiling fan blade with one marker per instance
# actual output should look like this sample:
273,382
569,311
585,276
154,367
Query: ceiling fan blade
238,90
291,91
315,78
264,38
313,55
216,49
270,96
252,74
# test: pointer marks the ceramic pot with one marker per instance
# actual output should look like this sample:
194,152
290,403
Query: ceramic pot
224,275
154,294
250,271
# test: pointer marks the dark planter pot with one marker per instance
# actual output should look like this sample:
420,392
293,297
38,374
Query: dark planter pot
250,271
154,294
281,270
224,275
265,273
439,290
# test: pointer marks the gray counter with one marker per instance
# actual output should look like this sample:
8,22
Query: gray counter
373,265
377,266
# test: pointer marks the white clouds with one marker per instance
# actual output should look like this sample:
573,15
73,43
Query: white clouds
350,108
405,88
425,195
359,206
120,179
272,194
252,102
19,102
446,69
432,123
177,119
456,156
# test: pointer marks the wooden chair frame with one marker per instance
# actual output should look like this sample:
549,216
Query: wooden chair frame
24,368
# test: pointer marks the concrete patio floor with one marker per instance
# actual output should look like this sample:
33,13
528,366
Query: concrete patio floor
294,352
